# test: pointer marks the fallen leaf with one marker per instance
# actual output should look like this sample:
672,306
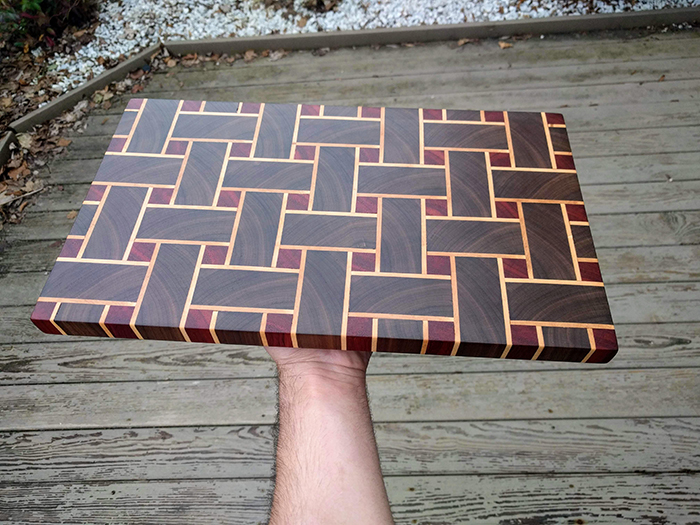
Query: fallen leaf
249,55
15,173
23,205
72,214
662,78
463,41
137,88
171,62
106,105
6,101
278,54
302,22
504,45
63,142
80,33
25,140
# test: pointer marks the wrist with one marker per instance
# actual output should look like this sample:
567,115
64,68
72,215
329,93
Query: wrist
320,379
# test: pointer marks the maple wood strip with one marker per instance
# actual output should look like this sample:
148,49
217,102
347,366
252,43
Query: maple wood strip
264,190
540,342
477,150
402,165
132,110
180,174
421,138
256,134
280,226
591,340
378,244
423,239
226,141
121,262
52,318
487,255
115,136
557,125
263,325
93,223
296,132
482,116
326,248
448,182
375,334
355,179
406,275
105,311
548,135
468,219
346,304
190,207
314,174
236,223
84,301
564,153
359,112
181,241
135,229
243,309
426,335
553,281
542,170
214,317
489,178
455,303
382,126
220,113
328,117
136,185
133,126
557,324
587,259
75,236
297,300
142,292
94,203
266,160
172,128
526,244
338,145
338,213
190,294
152,155
506,311
536,201
407,317
470,122
572,245
399,196
509,138
248,268
579,223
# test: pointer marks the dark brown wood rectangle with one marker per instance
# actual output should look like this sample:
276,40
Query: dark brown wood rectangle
330,230
276,131
401,295
201,176
560,303
329,131
115,223
187,225
536,185
401,236
474,237
401,180
99,282
400,336
529,140
322,296
474,136
334,179
548,239
268,175
469,182
245,289
153,126
138,170
401,136
215,127
257,230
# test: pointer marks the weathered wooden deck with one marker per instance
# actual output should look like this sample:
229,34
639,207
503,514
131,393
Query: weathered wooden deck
113,431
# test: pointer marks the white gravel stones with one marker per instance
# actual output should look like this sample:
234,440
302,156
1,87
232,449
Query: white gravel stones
127,26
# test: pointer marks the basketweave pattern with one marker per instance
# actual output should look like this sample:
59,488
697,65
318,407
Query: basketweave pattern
359,228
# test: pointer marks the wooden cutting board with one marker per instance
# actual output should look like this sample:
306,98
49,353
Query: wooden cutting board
433,231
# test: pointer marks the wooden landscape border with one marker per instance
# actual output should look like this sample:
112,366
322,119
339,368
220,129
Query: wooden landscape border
336,39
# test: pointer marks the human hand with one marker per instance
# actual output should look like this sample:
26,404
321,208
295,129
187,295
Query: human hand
337,365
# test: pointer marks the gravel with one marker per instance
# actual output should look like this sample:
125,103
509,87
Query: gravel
127,26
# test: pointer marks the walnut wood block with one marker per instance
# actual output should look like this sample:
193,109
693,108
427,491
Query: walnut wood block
454,232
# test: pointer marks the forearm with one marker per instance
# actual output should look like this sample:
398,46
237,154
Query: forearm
327,469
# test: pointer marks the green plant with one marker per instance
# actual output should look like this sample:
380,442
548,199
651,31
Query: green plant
42,20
